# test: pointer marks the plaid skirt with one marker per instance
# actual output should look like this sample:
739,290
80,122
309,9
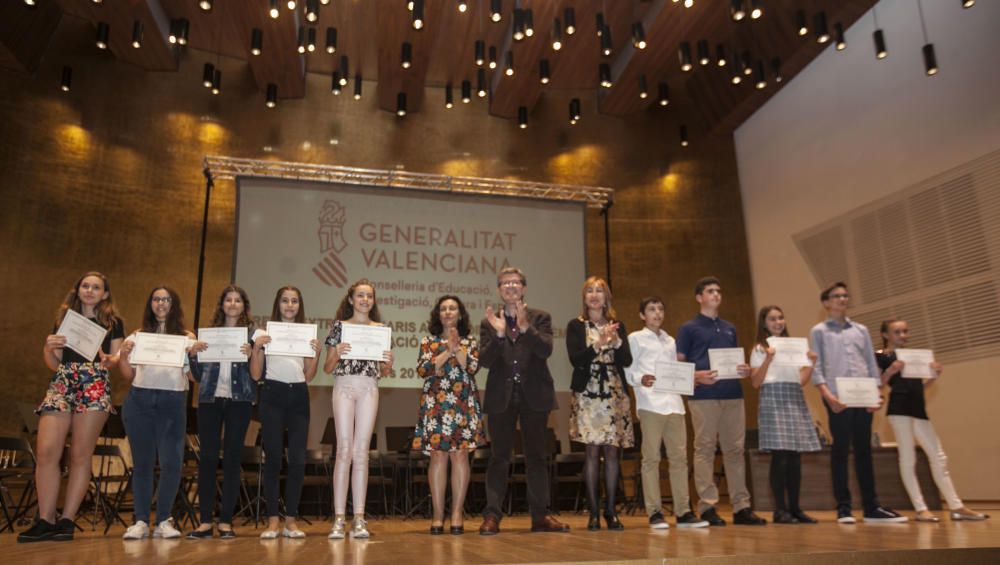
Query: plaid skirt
784,419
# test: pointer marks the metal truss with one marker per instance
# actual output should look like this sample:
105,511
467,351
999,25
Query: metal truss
229,168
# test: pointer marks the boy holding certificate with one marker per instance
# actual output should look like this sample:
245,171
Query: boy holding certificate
661,416
717,411
844,350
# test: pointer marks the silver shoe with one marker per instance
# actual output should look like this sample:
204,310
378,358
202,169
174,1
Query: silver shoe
359,529
337,532
972,517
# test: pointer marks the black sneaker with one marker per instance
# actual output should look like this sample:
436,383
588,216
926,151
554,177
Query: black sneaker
882,515
689,520
41,531
746,517
844,516
656,521
65,528
712,517
227,534
202,534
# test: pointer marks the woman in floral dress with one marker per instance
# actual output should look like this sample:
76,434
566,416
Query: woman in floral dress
450,422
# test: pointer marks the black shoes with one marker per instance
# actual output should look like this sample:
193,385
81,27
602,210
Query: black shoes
594,523
712,517
784,517
689,520
457,530
803,518
202,534
47,531
656,521
746,517
614,524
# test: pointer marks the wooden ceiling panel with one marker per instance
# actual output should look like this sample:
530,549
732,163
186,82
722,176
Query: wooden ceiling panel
155,53
25,32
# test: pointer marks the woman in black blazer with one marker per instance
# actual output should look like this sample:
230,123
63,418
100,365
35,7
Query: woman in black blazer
600,411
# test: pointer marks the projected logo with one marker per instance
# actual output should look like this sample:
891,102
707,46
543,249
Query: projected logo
330,269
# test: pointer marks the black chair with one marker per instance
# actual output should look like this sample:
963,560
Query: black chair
567,476
17,474
476,498
251,485
398,439
318,481
110,485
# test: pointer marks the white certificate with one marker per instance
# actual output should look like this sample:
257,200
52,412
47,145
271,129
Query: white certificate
725,360
675,377
82,335
790,351
158,349
291,340
367,342
858,392
918,363
223,344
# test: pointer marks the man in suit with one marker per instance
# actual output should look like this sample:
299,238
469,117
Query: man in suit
514,345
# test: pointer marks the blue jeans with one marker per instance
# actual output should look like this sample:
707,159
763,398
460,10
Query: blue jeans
155,421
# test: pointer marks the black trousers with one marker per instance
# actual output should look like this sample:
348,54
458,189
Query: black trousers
501,427
213,417
852,426
283,407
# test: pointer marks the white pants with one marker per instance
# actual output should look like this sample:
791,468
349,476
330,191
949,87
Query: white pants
355,406
909,433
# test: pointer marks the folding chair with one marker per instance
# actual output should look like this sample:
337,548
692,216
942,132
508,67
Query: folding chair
17,472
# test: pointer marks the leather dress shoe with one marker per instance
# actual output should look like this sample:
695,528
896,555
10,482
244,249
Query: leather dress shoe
437,530
614,524
594,523
548,524
490,526
457,530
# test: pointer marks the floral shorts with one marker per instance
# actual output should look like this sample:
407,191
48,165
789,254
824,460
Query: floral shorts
77,388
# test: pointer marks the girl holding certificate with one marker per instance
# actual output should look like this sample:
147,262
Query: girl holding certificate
786,426
155,412
600,411
78,399
226,394
449,423
355,406
908,418
284,406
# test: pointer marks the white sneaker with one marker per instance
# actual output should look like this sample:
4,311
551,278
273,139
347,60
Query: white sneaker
138,530
293,534
270,534
166,530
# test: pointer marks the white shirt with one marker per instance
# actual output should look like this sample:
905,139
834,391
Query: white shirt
282,368
160,378
647,348
775,373
224,386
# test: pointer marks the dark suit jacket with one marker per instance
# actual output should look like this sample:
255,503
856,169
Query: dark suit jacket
529,352
581,356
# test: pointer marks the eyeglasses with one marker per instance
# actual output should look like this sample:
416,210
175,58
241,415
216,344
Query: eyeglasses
163,299
511,283
845,296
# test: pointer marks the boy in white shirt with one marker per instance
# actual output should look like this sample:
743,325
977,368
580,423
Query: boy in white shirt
661,417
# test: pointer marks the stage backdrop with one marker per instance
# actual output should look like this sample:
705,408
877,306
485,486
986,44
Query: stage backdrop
414,246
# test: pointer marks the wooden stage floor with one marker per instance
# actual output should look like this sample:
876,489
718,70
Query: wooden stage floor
395,541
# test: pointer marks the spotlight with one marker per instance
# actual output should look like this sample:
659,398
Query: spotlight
463,6
205,5
720,55
401,104
574,111
800,22
760,80
406,55
684,54
529,23
556,35
480,52
495,7
312,10
684,136
822,32
600,23
663,94
103,31
344,70
522,117
704,54
756,11
643,87
880,51
418,14
509,64
302,40
930,60
466,92
604,73
638,36
67,78
207,75
256,41
493,57
544,74
776,70
217,82
272,95
481,83
137,34
335,86
569,15
606,44
273,11
311,40
736,10
838,31
517,30
331,40
357,86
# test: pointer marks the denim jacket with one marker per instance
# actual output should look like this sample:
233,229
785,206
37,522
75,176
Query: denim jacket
244,388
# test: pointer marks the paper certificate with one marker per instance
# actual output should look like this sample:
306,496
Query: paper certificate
291,340
223,344
82,335
918,363
158,349
367,342
725,360
674,377
858,392
790,351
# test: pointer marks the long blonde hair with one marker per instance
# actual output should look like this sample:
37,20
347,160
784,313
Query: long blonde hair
608,310
105,311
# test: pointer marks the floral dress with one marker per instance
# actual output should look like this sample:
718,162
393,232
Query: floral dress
602,413
450,417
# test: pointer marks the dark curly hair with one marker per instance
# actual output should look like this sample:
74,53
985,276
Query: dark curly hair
219,317
437,328
174,324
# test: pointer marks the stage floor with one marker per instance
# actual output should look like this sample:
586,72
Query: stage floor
397,541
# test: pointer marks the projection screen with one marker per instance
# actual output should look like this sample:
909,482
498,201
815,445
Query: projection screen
414,246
